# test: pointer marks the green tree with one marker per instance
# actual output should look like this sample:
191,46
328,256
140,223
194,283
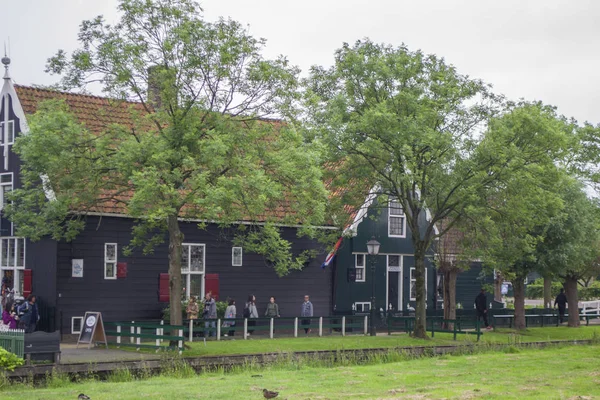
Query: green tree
197,146
410,124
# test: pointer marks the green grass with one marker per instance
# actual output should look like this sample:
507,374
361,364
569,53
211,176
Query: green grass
569,372
252,346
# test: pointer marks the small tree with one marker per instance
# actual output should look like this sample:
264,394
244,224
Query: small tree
197,146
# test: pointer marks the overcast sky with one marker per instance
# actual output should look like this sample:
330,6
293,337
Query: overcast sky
536,49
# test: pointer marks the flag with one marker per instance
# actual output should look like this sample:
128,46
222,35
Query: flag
331,255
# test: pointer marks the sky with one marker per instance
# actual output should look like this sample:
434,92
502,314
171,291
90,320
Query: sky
536,49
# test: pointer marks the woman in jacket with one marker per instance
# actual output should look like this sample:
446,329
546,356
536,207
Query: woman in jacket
250,312
272,308
192,308
9,317
230,313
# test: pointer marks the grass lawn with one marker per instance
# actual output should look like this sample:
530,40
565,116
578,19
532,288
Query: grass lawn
569,372
240,346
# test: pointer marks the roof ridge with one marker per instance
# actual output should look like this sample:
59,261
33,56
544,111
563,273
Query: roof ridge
90,96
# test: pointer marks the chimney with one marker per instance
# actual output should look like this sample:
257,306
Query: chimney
154,86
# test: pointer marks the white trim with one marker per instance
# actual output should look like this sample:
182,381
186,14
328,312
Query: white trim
11,184
187,274
73,331
110,261
233,263
390,216
363,267
362,212
410,280
362,303
399,306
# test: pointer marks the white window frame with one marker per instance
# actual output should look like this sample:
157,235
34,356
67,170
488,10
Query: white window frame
362,304
109,261
15,268
2,185
233,261
4,135
187,273
73,319
398,269
360,267
411,280
390,216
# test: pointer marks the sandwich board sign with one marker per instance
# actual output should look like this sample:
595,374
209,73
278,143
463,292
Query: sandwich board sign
92,330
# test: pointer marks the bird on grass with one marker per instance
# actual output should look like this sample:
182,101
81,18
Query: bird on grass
83,397
269,395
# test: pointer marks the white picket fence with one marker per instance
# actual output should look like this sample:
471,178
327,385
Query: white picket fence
590,307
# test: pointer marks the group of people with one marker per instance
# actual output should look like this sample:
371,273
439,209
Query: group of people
482,308
250,311
25,316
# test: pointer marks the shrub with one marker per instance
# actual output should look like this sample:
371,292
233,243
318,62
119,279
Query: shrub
535,290
9,361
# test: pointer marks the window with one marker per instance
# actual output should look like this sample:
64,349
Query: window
359,265
394,262
76,323
236,256
396,219
362,307
192,269
12,262
7,130
6,186
110,261
413,284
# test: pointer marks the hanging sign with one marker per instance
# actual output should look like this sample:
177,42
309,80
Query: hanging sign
92,330
77,268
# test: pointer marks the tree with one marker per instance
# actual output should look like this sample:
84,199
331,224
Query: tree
411,124
511,221
196,146
570,247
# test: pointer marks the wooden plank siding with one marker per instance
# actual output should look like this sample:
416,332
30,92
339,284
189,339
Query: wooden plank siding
136,296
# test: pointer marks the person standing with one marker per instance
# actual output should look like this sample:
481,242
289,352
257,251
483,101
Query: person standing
250,312
28,314
482,308
9,317
230,314
561,301
272,310
192,308
307,311
210,312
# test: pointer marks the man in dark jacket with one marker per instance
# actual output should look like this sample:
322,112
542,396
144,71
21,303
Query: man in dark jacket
561,301
481,307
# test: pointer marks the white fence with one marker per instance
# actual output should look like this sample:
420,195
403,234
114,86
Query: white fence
590,307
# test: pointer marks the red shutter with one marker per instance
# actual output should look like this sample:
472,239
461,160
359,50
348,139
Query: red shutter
122,270
211,284
163,288
27,283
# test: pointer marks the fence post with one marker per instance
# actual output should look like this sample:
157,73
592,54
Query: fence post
162,330
191,330
296,327
218,328
366,327
138,340
157,338
245,328
118,335
344,325
320,326
132,330
271,326
180,341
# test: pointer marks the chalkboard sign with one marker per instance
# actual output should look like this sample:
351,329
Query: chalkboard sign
92,330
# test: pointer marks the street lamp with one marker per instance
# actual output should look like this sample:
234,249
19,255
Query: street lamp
373,250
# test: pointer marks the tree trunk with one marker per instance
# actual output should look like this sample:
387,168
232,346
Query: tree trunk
547,292
498,279
420,311
175,281
519,289
572,301
450,276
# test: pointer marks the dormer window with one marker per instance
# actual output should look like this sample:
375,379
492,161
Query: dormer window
396,219
7,130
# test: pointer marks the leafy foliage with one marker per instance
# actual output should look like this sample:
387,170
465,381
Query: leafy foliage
9,361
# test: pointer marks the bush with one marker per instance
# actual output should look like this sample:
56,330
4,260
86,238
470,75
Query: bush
535,290
9,361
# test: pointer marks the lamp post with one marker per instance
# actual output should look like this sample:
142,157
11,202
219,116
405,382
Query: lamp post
373,250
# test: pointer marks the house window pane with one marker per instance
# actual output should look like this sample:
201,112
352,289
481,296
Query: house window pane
236,257
360,274
396,208
197,258
413,285
6,178
11,132
109,269
393,261
185,258
196,285
111,252
11,253
397,226
360,260
21,253
110,261
5,252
